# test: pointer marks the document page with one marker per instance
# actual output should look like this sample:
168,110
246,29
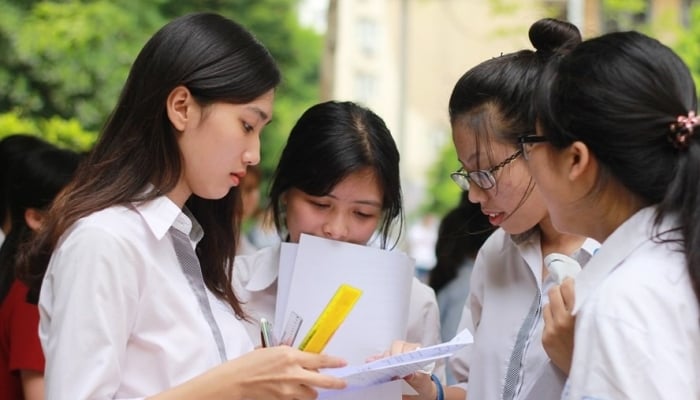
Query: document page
400,365
380,314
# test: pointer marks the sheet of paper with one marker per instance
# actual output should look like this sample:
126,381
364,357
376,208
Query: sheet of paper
385,369
288,254
381,313
387,391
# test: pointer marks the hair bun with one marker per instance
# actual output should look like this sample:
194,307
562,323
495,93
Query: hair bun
550,36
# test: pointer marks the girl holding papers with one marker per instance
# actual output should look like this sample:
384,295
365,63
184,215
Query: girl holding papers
136,301
489,110
338,178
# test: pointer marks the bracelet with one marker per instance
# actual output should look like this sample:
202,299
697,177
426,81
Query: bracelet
438,386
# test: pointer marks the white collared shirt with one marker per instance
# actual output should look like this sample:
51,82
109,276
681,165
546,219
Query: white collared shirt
637,319
507,277
118,317
255,284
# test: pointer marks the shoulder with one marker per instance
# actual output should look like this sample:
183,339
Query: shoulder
422,292
654,273
498,242
501,248
116,237
649,290
258,270
117,222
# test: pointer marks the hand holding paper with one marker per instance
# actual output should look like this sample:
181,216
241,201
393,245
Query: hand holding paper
400,365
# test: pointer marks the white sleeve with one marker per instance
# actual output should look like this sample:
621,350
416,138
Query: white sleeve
459,363
88,303
634,344
424,321
424,316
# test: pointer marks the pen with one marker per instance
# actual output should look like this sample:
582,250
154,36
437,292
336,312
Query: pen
265,333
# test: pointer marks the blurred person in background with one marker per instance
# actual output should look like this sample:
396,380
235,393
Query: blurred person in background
250,208
35,179
422,236
12,148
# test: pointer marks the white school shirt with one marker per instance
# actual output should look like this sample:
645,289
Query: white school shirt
255,284
637,319
118,317
506,278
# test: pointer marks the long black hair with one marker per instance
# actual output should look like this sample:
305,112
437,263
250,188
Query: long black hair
217,60
621,95
330,141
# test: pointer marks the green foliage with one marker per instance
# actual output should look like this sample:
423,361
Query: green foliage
69,59
687,44
612,7
63,62
64,133
443,193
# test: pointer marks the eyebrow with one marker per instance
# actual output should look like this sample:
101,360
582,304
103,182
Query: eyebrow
470,158
261,113
366,202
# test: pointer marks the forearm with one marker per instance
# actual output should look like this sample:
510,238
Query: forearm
32,384
202,387
455,393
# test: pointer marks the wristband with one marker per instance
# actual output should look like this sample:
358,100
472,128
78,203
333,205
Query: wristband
438,386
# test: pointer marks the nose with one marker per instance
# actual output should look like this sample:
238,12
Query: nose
335,228
476,194
251,156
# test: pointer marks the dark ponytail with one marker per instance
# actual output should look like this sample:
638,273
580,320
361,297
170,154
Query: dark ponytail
622,95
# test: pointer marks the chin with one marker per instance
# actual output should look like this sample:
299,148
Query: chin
212,194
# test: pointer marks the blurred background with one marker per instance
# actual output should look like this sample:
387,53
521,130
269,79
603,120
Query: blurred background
62,63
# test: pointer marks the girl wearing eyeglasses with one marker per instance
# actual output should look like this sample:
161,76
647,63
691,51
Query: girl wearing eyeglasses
489,110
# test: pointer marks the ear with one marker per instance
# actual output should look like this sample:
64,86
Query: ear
179,106
34,218
283,198
581,161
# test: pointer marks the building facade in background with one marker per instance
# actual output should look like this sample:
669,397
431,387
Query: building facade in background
401,58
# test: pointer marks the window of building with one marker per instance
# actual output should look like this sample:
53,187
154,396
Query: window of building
367,35
365,87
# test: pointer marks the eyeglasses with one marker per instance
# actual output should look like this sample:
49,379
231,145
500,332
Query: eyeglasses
527,141
482,178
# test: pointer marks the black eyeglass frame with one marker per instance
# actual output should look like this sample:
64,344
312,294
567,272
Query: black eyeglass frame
529,139
483,178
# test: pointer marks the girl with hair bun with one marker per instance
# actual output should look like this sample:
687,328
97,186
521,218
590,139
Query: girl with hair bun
490,108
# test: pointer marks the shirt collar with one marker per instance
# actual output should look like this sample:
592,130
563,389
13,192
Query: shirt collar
259,270
528,244
161,213
633,233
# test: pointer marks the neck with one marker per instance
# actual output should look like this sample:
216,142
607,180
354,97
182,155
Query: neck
609,210
554,241
179,194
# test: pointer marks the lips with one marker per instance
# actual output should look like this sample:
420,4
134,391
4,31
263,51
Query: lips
495,218
235,179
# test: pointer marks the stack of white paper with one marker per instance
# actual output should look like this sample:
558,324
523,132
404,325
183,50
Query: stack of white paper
311,272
